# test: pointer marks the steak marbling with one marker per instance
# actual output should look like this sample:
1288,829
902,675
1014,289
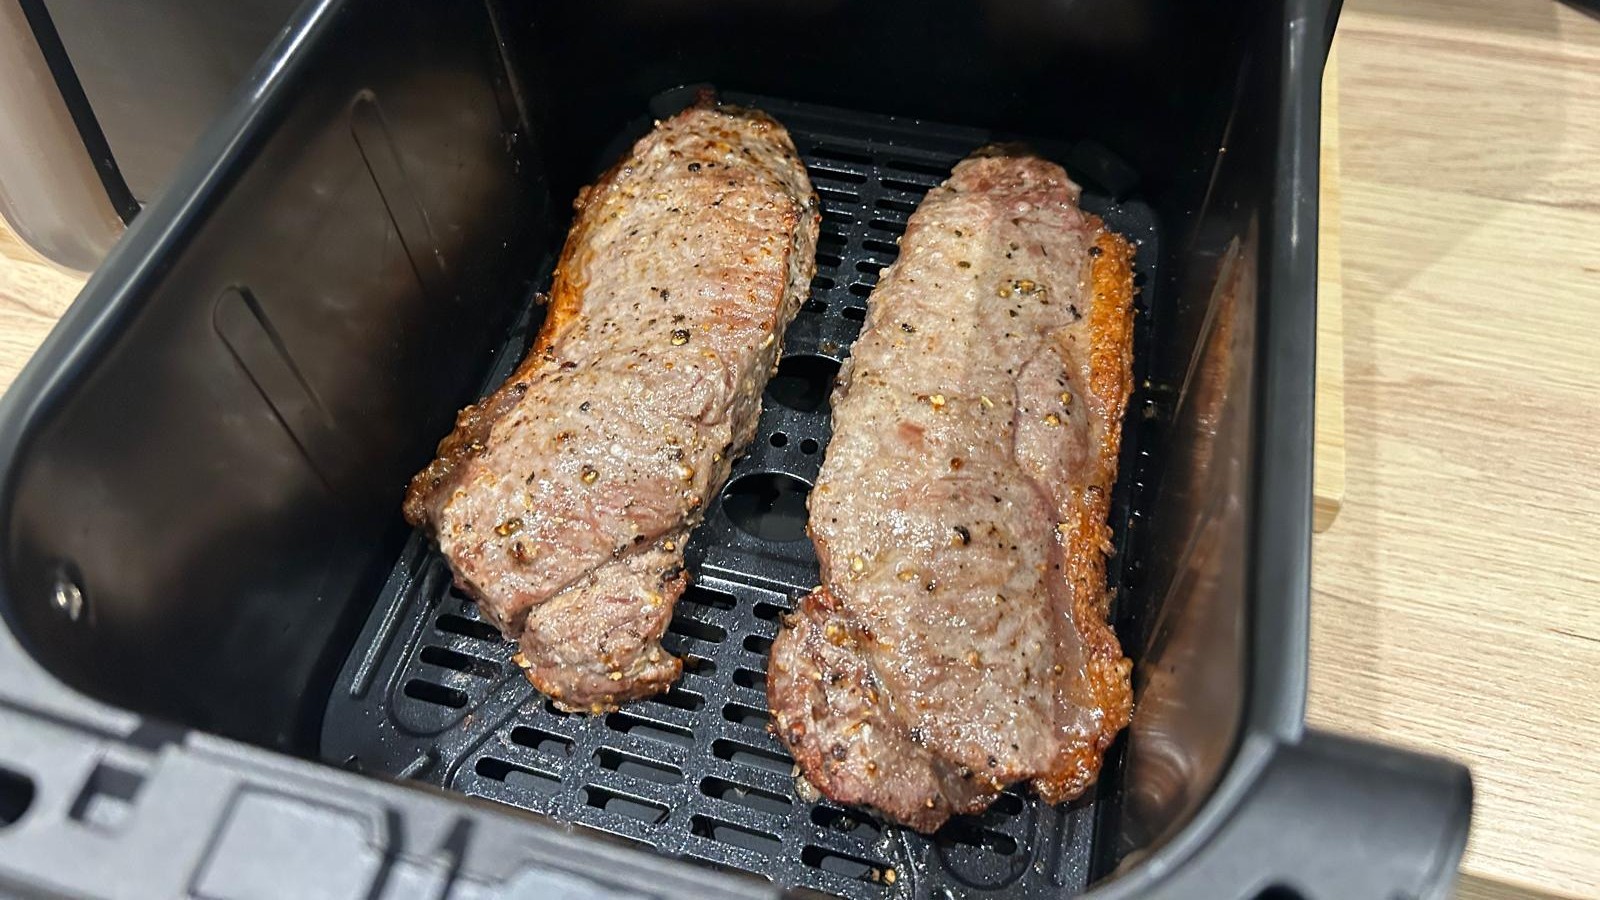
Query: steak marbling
958,643
563,500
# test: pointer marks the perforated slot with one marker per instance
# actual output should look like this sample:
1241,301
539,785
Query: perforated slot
844,864
636,808
470,628
679,698
844,821
550,709
838,154
436,694
517,776
698,597
745,795
832,194
910,187
697,630
968,832
896,204
637,766
697,661
882,248
628,723
542,741
759,757
695,664
749,716
825,173
460,662
737,835
933,172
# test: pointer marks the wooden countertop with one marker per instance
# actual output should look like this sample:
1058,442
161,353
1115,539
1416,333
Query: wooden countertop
1456,598
1457,595
32,296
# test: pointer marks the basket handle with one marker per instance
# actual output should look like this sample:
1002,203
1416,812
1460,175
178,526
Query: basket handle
1334,818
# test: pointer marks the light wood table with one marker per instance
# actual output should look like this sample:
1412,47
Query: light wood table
32,296
1457,595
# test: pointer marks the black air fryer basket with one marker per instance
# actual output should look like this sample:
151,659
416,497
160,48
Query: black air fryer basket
229,669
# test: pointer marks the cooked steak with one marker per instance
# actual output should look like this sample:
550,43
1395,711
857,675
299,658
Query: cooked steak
958,642
563,500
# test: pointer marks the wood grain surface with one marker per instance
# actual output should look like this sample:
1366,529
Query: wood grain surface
33,294
1457,596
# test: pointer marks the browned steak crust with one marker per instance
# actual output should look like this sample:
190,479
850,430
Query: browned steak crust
959,643
562,501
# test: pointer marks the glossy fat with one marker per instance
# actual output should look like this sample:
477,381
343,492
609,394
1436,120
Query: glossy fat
958,643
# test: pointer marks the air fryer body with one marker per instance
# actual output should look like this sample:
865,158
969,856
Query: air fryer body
200,472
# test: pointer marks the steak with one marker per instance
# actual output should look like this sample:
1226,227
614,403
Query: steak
563,500
958,643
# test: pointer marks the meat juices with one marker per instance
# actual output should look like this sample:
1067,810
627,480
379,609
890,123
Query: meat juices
958,643
563,500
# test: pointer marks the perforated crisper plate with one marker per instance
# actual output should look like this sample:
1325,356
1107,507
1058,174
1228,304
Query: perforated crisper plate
430,692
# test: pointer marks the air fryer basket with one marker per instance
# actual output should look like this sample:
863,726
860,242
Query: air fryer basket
229,670
431,694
